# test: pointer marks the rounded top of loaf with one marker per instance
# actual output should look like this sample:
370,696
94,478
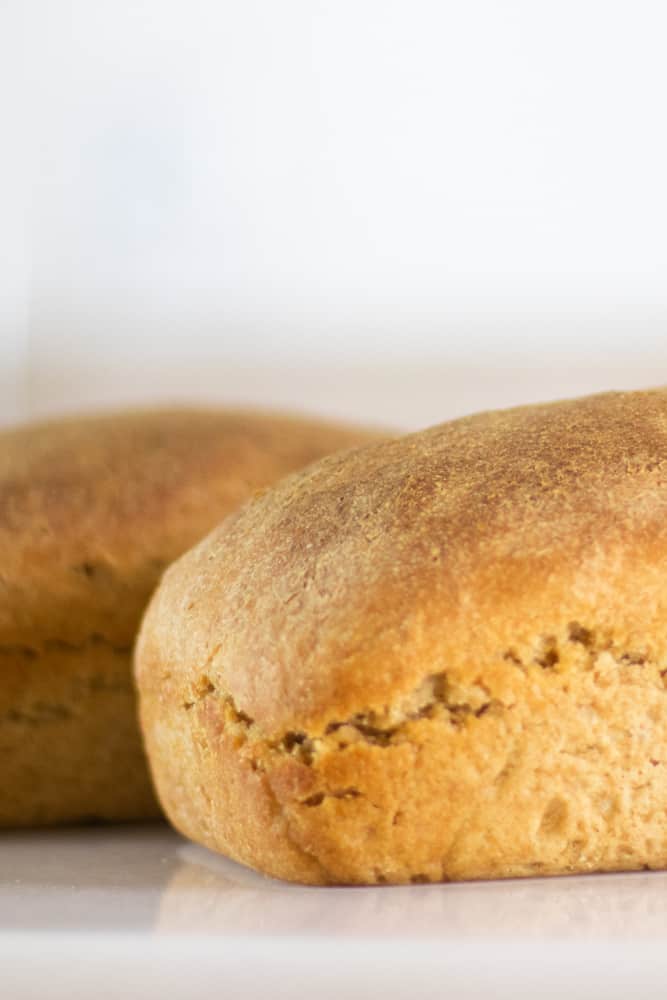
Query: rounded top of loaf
93,508
465,548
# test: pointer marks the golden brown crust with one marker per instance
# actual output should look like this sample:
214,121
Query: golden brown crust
70,748
91,511
443,655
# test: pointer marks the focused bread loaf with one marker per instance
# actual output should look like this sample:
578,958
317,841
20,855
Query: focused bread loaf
91,511
439,657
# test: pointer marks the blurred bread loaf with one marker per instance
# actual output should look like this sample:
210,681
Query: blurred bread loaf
91,512
437,657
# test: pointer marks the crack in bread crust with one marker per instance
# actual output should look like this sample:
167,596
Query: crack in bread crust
436,698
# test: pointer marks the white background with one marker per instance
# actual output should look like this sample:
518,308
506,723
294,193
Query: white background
340,205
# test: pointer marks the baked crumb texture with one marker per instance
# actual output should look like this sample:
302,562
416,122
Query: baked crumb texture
91,512
438,658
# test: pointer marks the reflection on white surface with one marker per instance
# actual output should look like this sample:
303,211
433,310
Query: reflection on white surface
149,879
138,912
88,879
211,894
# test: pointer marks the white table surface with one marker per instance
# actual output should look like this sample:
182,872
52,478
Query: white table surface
135,911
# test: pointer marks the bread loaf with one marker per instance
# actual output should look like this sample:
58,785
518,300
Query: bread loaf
91,512
438,657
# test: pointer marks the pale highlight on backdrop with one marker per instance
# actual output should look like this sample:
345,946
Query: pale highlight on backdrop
206,192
